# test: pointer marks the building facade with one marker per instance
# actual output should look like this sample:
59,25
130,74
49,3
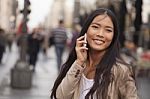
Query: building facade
8,14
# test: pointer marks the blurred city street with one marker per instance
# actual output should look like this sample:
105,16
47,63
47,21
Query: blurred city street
43,78
143,87
27,35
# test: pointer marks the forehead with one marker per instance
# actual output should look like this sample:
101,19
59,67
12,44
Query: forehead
105,19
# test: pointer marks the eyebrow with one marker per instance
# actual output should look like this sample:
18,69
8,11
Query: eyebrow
100,25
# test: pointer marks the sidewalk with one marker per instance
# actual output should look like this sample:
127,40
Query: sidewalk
9,60
43,79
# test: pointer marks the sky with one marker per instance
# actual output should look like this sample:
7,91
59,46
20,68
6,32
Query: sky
39,10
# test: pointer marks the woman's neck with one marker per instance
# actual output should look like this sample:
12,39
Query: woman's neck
93,60
95,57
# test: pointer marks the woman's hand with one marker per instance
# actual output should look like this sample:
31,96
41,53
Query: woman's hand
81,50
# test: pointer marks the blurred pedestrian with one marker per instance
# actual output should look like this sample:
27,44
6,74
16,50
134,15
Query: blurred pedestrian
45,42
94,69
34,44
2,43
129,52
59,35
75,33
10,39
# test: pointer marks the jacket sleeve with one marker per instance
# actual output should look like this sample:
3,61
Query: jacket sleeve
68,85
127,86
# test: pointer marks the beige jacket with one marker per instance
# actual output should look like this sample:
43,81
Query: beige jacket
123,85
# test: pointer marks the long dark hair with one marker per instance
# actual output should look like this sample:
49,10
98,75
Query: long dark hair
103,76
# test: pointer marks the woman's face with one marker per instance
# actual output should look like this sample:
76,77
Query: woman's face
100,33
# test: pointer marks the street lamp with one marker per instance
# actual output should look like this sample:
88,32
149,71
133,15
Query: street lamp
24,29
21,74
26,11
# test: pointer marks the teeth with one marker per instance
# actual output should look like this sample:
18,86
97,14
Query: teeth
98,41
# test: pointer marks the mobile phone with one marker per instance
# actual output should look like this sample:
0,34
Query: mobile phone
85,40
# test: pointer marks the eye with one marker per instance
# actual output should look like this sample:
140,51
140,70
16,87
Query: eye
94,26
109,30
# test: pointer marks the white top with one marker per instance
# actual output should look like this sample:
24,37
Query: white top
85,86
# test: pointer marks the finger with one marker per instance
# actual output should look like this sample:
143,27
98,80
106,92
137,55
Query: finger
81,48
80,43
80,38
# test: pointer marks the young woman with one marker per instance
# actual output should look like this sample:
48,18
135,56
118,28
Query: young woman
96,71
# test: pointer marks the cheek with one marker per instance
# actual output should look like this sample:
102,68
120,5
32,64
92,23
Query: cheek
92,31
89,34
109,37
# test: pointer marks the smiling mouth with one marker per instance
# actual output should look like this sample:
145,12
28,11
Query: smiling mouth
99,42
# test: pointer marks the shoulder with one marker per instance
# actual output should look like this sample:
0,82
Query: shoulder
125,80
123,67
122,70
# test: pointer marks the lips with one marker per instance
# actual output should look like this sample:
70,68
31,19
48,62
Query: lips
98,41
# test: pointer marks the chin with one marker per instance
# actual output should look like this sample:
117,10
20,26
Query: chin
98,48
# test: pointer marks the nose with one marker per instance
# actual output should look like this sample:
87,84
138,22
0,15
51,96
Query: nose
100,33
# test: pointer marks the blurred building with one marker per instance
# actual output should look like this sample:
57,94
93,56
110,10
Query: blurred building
69,10
146,11
77,11
8,13
60,9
